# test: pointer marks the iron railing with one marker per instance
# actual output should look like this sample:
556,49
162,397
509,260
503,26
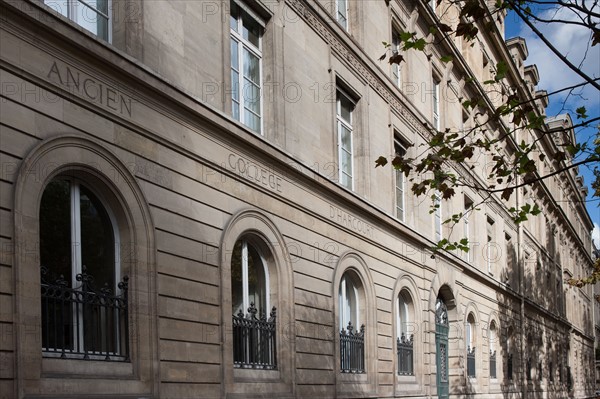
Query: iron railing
492,364
84,322
470,362
254,340
405,355
352,350
509,367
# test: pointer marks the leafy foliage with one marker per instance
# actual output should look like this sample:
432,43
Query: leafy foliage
449,150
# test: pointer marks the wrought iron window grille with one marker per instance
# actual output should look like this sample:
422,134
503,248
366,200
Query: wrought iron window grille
405,347
254,340
84,322
471,362
352,349
493,364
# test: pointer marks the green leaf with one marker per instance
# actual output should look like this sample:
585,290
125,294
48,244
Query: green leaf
420,44
581,113
396,59
446,58
501,70
444,28
406,36
595,38
381,161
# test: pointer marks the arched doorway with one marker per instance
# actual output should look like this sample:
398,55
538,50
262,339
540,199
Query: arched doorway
441,344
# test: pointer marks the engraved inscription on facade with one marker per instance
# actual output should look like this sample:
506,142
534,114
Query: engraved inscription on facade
89,88
349,221
253,172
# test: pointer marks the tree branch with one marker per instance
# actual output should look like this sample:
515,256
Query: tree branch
564,59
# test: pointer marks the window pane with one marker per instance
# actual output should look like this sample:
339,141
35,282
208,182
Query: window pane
59,6
342,305
346,163
237,295
235,110
251,30
346,108
233,17
251,120
256,281
86,15
342,20
102,28
342,13
251,93
97,241
55,229
235,84
235,62
346,181
346,138
351,302
251,67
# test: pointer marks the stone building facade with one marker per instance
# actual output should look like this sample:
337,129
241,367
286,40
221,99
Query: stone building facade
190,209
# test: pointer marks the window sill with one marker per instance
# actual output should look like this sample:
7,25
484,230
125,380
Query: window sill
57,367
354,377
407,379
254,375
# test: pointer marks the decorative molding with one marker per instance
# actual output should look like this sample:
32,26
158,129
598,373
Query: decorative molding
357,65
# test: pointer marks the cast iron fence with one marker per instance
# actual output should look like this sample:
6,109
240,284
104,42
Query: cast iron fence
254,340
492,364
405,355
470,362
352,350
84,322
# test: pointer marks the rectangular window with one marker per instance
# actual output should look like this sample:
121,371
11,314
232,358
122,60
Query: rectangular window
341,12
467,227
92,15
436,104
489,249
437,216
400,150
396,72
246,66
345,107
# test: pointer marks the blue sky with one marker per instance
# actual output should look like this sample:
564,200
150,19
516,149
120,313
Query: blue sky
554,75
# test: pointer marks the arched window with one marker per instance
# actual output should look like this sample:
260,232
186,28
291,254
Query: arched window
470,329
84,307
249,279
404,341
352,344
509,353
349,302
253,319
493,348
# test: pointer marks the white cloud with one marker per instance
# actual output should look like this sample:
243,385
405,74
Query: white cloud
573,42
596,235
